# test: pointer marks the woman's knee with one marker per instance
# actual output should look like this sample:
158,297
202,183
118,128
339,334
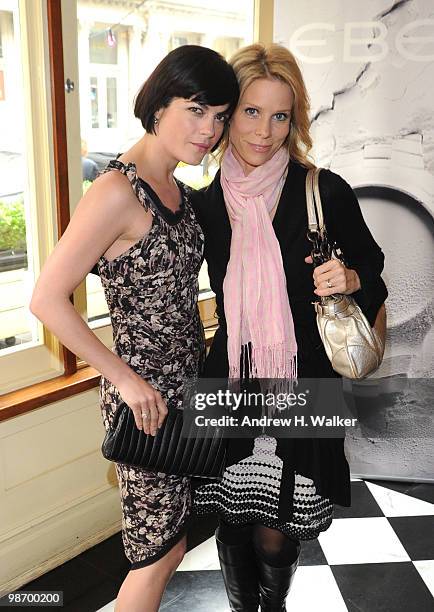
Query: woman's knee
177,553
274,547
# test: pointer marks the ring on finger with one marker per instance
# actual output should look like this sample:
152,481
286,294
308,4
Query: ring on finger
329,285
145,415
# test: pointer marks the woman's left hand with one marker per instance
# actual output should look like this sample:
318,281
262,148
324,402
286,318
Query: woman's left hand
333,277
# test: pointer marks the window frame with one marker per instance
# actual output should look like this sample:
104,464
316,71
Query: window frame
63,192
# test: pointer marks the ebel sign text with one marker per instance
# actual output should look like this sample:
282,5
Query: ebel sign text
414,41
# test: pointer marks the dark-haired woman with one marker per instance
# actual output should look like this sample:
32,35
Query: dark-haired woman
136,221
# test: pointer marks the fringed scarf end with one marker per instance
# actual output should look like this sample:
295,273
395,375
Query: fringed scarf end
273,362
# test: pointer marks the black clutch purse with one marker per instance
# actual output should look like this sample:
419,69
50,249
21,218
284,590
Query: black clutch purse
173,450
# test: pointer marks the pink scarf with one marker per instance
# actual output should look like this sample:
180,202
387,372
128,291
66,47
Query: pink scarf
255,297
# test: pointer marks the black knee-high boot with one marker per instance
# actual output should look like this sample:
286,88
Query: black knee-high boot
274,584
240,575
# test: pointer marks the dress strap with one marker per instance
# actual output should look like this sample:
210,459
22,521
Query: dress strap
130,171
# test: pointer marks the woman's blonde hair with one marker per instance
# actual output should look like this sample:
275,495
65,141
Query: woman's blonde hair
276,62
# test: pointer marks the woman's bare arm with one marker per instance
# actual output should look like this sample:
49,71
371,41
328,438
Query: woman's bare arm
101,217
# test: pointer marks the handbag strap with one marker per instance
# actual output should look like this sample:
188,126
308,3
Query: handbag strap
313,202
323,249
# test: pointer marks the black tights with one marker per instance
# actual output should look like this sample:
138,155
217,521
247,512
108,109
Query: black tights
271,545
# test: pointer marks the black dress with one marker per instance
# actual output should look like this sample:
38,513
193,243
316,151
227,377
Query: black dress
322,460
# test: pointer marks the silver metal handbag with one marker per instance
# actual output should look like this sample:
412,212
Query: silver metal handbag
352,345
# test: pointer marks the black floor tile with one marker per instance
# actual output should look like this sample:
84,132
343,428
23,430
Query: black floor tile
75,578
96,599
108,557
311,553
423,491
383,587
363,504
419,490
416,534
195,592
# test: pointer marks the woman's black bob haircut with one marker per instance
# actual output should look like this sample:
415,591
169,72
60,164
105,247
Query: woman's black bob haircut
190,72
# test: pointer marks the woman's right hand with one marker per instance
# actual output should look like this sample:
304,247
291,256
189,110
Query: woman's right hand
146,403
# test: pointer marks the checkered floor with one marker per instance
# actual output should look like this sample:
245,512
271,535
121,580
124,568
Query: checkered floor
377,555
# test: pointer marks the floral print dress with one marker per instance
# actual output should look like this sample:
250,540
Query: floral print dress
151,291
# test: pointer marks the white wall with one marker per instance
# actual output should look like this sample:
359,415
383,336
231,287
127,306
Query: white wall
59,496
372,88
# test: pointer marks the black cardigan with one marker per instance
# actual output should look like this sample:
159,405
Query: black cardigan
321,459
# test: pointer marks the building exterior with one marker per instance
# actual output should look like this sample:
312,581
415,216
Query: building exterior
119,44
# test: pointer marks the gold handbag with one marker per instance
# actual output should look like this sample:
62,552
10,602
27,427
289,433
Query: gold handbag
352,345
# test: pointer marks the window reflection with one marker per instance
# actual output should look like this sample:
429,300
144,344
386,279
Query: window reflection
102,45
16,274
119,44
111,103
94,101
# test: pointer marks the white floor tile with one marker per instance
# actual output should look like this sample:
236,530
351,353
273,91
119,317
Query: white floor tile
361,540
314,588
203,557
426,570
393,503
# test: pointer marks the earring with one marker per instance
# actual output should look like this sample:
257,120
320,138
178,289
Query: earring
155,120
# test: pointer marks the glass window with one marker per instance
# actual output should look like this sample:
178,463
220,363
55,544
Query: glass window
16,275
178,41
119,45
185,38
103,45
28,353
227,45
94,101
111,102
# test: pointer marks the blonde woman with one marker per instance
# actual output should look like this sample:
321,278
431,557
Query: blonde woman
255,222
